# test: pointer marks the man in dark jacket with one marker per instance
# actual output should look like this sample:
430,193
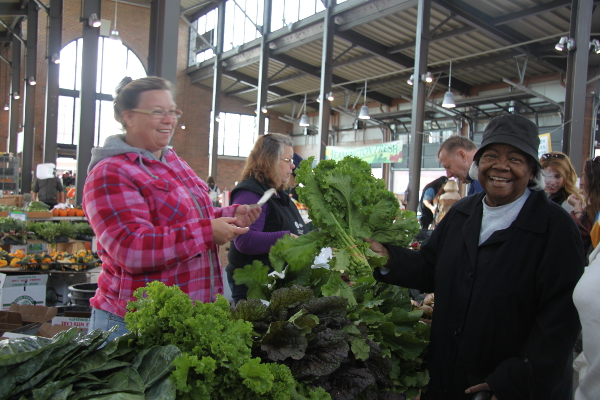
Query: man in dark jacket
503,265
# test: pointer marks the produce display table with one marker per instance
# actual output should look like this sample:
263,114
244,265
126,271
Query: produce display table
18,271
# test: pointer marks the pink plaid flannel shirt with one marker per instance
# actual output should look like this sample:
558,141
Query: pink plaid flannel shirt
149,228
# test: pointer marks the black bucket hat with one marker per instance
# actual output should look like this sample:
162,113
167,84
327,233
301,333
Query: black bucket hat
297,161
514,130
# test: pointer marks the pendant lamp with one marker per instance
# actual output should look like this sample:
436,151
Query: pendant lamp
449,96
364,110
304,117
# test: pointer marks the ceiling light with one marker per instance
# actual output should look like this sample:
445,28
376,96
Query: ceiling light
32,81
16,95
411,80
6,107
596,44
114,34
182,126
449,96
428,77
330,96
94,21
318,98
364,110
304,117
264,110
563,42
55,58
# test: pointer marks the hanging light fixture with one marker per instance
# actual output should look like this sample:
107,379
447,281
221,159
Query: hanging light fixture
428,77
114,34
364,110
304,117
6,107
449,96
32,81
411,80
16,95
55,58
264,110
330,96
94,21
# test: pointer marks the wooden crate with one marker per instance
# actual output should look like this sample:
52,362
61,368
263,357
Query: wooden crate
12,200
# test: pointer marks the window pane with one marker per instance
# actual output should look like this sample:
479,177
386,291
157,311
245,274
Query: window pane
108,126
68,57
115,54
64,132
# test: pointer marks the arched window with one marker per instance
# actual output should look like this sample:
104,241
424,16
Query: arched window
115,61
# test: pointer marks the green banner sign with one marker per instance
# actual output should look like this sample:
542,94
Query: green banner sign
390,152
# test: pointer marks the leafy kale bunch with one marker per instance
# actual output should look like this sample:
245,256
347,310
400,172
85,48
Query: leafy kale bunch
386,313
348,204
216,362
72,366
320,345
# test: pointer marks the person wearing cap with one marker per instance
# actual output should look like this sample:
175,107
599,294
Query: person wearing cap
269,165
503,265
456,156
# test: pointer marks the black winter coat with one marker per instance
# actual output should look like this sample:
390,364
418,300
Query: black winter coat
503,310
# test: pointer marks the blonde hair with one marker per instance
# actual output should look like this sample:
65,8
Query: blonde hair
566,169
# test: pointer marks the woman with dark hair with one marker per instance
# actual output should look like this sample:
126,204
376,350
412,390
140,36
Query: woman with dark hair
150,212
426,204
269,165
587,212
503,264
560,178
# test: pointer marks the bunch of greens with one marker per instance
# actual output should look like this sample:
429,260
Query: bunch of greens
348,204
12,228
216,362
320,345
37,206
50,231
72,366
81,230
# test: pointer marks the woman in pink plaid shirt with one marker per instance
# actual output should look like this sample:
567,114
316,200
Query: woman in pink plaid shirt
151,213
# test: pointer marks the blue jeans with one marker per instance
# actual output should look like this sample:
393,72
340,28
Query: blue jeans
104,320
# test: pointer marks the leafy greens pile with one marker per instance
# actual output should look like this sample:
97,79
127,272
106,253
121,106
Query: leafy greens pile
216,361
73,366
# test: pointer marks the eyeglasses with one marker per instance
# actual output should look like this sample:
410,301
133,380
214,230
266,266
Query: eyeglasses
158,114
548,156
288,160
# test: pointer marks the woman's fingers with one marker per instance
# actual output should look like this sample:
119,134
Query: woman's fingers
224,231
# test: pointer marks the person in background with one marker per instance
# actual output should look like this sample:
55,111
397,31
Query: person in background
426,204
151,213
587,363
292,182
503,265
456,156
587,212
560,178
269,165
214,191
49,191
447,200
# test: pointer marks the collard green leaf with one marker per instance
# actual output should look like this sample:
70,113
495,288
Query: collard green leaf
62,394
15,351
283,340
125,379
298,252
162,389
255,277
337,287
406,344
152,364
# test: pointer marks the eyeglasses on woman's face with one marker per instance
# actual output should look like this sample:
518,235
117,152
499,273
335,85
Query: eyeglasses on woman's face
288,160
548,156
160,114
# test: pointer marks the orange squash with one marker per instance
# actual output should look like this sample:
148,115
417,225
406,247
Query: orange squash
55,212
62,213
79,213
71,212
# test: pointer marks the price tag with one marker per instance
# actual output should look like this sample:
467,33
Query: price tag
18,215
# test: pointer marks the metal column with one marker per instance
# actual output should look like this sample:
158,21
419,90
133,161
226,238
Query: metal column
418,104
263,72
216,99
568,107
326,75
15,87
164,34
29,121
578,87
89,70
52,89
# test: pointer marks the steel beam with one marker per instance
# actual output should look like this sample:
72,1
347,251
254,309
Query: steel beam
326,76
52,82
263,69
30,90
376,48
216,93
578,88
15,104
12,10
164,34
418,105
254,82
89,73
534,93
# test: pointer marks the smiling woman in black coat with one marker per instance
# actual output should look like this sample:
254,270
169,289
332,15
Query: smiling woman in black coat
503,265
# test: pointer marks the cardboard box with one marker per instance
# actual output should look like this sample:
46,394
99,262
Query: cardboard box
82,323
12,200
31,314
9,321
48,330
22,289
39,214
